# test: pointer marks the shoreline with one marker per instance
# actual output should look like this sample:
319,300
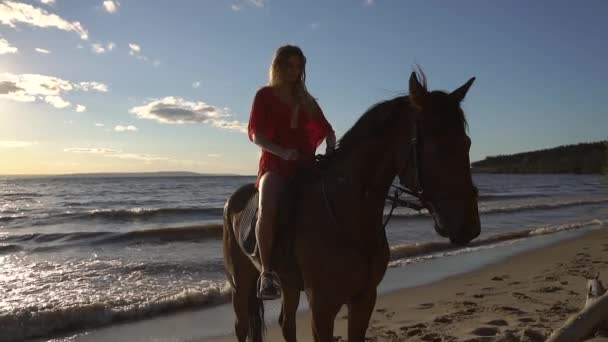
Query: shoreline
216,323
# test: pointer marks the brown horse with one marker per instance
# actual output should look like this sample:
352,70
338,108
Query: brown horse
340,251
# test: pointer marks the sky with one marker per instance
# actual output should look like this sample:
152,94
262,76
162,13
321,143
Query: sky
151,85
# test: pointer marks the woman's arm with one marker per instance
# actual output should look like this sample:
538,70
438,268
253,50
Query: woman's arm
266,144
330,142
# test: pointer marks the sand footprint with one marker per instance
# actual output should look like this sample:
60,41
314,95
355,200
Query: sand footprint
498,322
424,306
485,331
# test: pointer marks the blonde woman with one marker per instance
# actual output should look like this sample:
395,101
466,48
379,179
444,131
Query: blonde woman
288,125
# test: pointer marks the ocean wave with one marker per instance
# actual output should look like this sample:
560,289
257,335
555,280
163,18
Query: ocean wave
31,322
133,214
514,208
22,194
13,217
416,252
504,196
155,235
5,249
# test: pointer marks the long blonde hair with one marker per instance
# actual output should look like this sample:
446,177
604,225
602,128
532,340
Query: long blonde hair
279,61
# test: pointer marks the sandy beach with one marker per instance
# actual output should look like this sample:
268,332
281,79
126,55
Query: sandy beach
522,298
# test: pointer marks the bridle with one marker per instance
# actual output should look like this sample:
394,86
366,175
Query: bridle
418,191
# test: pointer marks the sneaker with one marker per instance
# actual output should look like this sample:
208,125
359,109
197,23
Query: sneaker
269,287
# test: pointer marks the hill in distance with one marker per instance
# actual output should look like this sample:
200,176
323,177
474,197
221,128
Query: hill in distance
583,158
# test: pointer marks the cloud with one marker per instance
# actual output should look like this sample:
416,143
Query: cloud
49,89
134,48
111,153
48,2
12,13
258,3
176,110
238,5
6,47
214,155
98,48
81,108
44,51
368,2
111,6
196,84
56,101
135,51
16,144
97,124
130,128
313,26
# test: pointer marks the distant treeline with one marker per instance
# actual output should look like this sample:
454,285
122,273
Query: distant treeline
580,159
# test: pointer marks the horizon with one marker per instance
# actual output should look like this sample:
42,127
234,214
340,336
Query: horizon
100,87
254,175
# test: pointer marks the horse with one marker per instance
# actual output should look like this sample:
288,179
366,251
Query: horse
339,248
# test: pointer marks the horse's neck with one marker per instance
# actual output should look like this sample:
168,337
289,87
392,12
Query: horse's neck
367,175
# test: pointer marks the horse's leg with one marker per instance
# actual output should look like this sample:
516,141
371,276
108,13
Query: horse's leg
324,310
359,313
287,318
242,276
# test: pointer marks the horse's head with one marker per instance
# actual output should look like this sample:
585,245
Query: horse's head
435,160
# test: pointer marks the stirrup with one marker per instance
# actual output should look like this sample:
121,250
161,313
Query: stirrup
274,290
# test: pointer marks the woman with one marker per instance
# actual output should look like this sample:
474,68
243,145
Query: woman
288,124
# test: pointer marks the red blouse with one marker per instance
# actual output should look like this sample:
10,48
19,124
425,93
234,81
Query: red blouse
271,118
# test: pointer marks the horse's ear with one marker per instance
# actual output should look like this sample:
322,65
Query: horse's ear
418,92
461,92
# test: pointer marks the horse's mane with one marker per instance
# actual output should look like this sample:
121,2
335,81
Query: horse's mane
369,125
372,123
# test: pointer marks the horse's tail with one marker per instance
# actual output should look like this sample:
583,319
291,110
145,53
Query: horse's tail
255,306
257,326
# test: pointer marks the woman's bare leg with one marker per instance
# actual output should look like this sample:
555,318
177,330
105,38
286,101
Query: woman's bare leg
271,185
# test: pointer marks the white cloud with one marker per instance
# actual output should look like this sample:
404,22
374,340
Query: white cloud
44,51
135,51
12,13
314,26
111,6
176,110
35,87
86,86
56,101
196,84
111,46
6,47
98,48
368,2
134,48
16,144
239,4
130,128
81,108
97,124
48,2
111,153
258,3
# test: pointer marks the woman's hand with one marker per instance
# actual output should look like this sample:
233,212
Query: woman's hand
291,154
